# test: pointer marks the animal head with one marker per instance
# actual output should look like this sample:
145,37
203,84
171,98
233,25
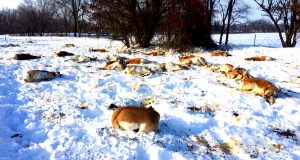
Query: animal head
161,66
236,73
147,102
114,65
138,70
112,106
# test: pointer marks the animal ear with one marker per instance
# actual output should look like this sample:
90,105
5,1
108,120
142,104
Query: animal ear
150,108
245,72
112,106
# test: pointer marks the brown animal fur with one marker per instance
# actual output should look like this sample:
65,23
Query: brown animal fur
132,118
114,65
219,67
234,74
40,75
220,53
192,59
97,50
259,87
81,59
25,57
152,54
260,58
137,61
68,45
62,54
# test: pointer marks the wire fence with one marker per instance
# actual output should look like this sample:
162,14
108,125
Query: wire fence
252,39
237,40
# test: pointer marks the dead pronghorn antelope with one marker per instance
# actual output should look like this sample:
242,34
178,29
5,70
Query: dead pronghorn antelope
220,53
236,73
219,67
40,75
114,65
97,50
25,57
68,45
192,60
132,118
171,67
228,70
137,61
62,54
260,58
138,70
82,59
113,58
259,87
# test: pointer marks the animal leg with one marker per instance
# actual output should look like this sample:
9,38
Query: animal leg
270,100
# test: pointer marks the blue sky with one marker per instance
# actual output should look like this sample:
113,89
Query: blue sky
255,11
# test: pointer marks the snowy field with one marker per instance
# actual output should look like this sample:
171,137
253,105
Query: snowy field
203,116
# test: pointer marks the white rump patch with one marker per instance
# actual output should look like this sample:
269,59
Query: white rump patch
129,126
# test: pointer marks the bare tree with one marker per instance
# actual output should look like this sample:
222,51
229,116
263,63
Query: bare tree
45,11
197,23
35,16
27,17
8,21
232,11
97,23
189,24
74,7
286,12
132,20
63,16
211,6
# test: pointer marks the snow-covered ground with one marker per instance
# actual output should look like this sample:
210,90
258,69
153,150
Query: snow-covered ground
203,116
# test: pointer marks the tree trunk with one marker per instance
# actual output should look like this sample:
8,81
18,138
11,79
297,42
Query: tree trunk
75,27
75,16
294,40
230,8
221,33
222,30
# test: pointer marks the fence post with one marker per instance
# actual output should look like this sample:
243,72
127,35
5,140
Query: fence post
254,39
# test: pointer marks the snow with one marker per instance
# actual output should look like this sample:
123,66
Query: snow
42,120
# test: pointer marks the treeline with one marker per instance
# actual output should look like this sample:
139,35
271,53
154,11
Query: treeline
184,23
136,22
12,22
37,17
254,26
